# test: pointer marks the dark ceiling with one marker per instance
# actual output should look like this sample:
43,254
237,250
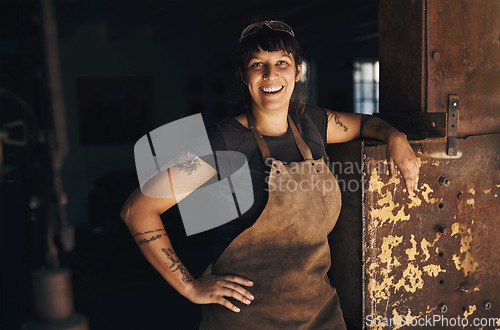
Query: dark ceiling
317,24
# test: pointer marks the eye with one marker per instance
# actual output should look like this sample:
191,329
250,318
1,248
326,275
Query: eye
282,63
256,65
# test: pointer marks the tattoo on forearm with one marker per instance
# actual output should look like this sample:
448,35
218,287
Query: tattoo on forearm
336,117
148,240
188,162
380,126
186,277
149,232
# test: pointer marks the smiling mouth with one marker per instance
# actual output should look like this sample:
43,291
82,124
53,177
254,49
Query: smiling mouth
271,90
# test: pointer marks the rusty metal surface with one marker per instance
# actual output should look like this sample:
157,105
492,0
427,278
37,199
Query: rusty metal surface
430,49
463,58
439,247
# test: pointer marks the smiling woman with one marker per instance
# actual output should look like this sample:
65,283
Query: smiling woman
270,264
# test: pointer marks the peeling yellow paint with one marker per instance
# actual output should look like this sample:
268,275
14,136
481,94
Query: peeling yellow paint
433,270
487,191
385,213
470,311
472,191
465,261
425,193
411,280
388,243
470,201
425,245
455,228
412,252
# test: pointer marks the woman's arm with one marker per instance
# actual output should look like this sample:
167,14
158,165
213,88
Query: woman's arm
141,214
343,127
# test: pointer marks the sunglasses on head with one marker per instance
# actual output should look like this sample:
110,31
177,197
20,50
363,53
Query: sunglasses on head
273,25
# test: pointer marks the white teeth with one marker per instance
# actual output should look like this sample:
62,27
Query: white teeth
271,89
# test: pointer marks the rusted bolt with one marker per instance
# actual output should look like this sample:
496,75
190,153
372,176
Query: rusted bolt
443,181
436,56
487,305
443,308
459,196
463,288
433,124
445,230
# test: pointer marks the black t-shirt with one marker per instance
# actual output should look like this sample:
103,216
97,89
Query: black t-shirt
231,135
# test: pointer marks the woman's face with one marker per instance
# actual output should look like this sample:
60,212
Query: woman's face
271,78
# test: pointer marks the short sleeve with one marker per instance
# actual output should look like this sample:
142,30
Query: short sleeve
319,117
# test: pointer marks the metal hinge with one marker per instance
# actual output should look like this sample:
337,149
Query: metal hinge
452,125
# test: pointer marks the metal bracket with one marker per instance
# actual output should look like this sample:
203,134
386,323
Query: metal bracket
452,125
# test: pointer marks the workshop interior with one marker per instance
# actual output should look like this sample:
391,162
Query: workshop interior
82,81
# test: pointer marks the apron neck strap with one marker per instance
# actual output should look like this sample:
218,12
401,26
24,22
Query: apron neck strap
261,143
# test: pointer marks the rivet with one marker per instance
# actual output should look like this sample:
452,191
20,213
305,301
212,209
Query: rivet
443,308
436,56
443,181
459,195
487,305
445,230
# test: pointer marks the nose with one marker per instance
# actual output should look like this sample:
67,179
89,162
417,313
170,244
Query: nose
270,72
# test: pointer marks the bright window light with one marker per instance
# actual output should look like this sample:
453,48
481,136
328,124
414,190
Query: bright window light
366,86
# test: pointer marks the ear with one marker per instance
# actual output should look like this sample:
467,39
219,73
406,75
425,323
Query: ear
298,74
242,76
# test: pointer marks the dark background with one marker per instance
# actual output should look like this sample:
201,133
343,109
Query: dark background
128,67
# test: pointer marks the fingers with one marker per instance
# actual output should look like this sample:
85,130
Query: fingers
392,169
241,291
238,279
410,172
214,289
226,303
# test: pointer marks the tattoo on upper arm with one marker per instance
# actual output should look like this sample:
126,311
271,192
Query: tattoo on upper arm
336,117
186,277
188,163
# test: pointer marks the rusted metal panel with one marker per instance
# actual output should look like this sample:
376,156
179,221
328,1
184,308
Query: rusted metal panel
439,247
463,58
416,256
430,49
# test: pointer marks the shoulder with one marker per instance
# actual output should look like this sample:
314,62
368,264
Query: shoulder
315,118
316,113
227,134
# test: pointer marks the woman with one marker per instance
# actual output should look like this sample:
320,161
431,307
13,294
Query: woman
270,263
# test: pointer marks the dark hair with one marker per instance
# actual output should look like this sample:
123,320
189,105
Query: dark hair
271,40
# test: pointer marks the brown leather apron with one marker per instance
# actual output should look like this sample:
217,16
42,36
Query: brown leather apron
286,252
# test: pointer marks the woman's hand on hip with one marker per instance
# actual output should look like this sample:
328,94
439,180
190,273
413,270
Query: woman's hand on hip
400,155
211,289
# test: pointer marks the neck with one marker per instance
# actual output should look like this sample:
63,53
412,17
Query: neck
271,122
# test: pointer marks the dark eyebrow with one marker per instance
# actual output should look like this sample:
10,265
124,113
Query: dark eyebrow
283,54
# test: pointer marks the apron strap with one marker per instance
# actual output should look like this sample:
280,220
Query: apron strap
261,143
264,150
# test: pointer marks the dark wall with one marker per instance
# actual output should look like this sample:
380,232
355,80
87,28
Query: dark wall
144,63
